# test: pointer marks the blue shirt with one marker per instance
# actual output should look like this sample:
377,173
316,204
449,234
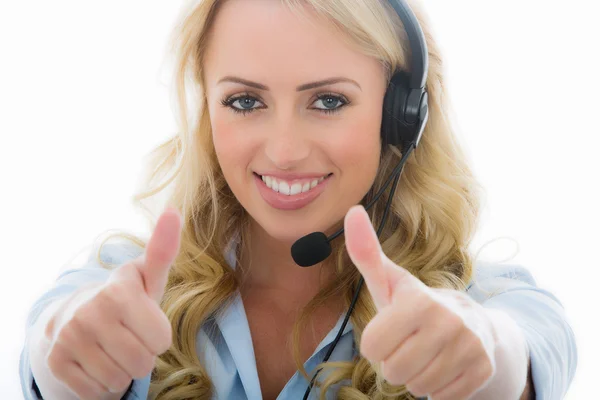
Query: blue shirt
228,353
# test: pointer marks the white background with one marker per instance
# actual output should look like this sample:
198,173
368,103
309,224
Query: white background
84,95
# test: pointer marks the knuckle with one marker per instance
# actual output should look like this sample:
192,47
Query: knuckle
110,376
86,393
454,322
389,375
56,362
455,329
480,375
473,342
139,361
447,327
114,296
429,305
61,371
415,388
471,349
164,343
90,392
144,366
487,370
118,380
165,336
50,327
467,348
70,333
82,321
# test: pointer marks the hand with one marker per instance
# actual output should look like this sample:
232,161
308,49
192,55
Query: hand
438,342
105,336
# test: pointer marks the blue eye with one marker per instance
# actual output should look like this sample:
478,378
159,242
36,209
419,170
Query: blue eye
241,104
331,103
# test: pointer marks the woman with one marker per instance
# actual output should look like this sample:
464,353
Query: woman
285,141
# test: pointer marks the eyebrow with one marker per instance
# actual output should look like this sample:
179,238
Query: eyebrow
306,86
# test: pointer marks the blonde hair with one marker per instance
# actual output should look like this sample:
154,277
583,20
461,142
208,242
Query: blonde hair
432,218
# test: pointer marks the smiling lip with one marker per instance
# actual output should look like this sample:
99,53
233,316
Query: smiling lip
291,202
287,176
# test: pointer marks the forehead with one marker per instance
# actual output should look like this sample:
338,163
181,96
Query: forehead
267,41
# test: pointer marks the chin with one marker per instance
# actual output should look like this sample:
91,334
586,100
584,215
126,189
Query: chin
286,230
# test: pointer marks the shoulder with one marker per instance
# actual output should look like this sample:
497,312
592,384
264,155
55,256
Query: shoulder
484,271
490,280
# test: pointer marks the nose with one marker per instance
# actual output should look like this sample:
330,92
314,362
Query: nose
287,145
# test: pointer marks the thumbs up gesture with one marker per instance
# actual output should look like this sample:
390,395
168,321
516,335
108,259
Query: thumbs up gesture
438,342
105,336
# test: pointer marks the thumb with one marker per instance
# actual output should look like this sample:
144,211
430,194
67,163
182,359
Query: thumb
382,276
366,254
160,253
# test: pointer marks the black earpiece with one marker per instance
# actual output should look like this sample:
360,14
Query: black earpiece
405,112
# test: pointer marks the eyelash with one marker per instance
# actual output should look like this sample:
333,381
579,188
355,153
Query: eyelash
227,102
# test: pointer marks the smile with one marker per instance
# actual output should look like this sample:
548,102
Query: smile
290,194
291,188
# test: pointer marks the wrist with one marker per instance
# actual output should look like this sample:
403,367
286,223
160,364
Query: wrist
509,335
511,359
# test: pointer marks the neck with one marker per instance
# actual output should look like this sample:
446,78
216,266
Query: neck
267,264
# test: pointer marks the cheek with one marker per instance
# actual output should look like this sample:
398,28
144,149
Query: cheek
233,145
360,154
233,156
225,146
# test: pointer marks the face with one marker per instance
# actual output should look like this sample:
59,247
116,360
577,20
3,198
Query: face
295,114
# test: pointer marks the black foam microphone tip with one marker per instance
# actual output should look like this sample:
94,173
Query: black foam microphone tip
311,249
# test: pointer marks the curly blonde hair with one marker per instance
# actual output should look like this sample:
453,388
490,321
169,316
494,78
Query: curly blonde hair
432,218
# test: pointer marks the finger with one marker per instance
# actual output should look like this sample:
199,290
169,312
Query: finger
92,359
465,385
415,354
149,324
382,276
377,343
71,375
454,358
365,252
83,385
127,351
137,311
411,356
97,364
160,252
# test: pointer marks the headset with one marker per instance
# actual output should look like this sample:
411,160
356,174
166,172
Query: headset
405,114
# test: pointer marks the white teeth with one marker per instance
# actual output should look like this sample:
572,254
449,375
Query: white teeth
284,188
290,189
295,189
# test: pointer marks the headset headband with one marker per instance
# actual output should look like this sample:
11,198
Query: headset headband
418,46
